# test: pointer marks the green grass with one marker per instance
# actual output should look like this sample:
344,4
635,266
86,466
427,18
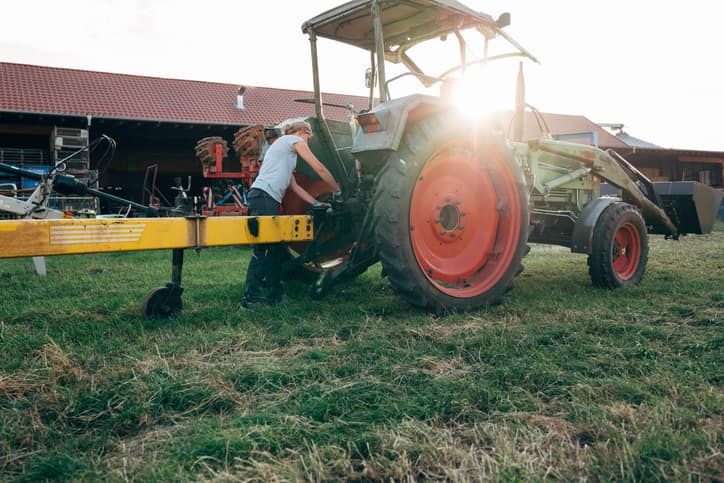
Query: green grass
561,381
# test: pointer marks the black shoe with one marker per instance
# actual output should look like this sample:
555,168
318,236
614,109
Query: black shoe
249,304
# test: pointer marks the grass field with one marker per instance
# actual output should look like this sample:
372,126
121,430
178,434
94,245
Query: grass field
562,381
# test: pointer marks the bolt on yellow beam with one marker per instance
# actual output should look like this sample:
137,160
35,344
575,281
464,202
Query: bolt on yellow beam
26,238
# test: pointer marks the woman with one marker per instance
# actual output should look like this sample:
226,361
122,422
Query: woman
265,196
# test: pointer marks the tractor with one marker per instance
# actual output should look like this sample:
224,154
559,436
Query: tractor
449,204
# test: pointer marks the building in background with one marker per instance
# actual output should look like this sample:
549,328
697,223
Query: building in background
656,162
47,113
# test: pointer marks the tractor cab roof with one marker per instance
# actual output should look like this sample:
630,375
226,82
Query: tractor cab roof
404,23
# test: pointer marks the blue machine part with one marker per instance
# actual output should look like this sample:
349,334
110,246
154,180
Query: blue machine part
228,196
27,183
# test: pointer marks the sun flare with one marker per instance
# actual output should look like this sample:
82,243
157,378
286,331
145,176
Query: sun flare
480,93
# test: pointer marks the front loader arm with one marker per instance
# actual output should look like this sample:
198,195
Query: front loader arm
608,168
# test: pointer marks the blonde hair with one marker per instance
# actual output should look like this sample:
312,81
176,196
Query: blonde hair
295,126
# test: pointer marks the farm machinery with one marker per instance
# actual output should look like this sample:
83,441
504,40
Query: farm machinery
228,198
45,231
448,204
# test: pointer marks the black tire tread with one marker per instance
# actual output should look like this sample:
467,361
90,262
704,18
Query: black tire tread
600,263
391,235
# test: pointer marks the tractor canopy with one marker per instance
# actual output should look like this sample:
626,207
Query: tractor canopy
390,28
404,23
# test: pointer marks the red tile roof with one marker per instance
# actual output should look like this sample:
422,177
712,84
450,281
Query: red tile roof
50,90
568,124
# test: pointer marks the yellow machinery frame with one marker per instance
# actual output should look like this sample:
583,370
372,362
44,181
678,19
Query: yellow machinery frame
31,238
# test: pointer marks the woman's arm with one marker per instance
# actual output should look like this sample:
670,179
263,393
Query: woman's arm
301,192
307,155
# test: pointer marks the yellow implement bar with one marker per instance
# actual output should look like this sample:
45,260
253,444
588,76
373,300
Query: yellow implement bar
26,238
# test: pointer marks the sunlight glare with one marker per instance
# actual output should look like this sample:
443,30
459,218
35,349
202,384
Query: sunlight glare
479,93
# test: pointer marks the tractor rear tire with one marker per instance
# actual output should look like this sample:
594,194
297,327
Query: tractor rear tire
451,217
620,247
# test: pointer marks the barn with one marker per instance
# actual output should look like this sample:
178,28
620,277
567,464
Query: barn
48,114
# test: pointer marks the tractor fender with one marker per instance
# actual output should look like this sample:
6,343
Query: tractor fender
582,238
393,117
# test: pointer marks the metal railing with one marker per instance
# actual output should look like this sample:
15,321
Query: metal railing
22,156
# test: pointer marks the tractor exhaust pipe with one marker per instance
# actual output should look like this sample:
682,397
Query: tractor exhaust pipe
519,114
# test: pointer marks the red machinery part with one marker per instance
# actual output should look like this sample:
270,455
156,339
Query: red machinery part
211,151
293,204
626,251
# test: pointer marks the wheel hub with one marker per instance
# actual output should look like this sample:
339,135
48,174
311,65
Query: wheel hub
626,251
617,251
449,216
448,226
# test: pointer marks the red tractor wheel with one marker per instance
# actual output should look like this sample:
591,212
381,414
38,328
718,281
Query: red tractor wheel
620,247
452,219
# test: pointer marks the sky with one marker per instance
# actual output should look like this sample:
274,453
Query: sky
655,66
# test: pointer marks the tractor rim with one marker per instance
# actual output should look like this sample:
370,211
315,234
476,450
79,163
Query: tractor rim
626,251
465,217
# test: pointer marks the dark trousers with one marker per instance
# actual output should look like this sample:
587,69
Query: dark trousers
265,266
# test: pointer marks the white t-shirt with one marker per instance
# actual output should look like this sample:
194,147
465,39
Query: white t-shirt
279,162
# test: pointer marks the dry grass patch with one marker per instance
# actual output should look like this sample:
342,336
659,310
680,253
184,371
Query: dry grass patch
52,366
480,452
133,454
416,450
435,367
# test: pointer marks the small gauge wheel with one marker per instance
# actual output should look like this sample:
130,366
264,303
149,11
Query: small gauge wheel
162,302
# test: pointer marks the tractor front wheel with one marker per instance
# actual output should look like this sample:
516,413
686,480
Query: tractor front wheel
620,247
